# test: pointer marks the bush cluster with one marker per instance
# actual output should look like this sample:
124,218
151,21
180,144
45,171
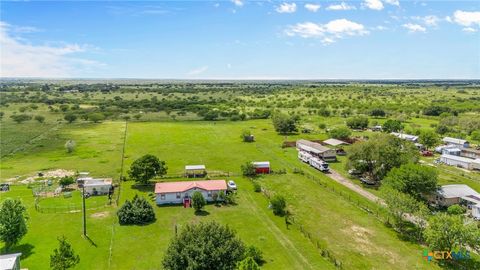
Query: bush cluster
138,211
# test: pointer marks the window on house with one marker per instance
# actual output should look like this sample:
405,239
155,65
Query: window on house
162,196
209,194
178,195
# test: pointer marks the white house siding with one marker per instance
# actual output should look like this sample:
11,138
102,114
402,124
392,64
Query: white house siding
101,189
171,198
456,162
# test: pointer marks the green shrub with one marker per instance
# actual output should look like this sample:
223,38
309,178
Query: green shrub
279,204
139,211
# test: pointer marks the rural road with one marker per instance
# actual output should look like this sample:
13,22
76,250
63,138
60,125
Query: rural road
346,182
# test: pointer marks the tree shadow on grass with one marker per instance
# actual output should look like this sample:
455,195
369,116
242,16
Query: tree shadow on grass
25,249
143,188
202,213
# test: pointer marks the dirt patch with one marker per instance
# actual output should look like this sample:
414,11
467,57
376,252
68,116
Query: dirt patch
361,237
48,174
101,214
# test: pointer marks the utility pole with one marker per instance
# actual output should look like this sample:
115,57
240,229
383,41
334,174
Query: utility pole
84,214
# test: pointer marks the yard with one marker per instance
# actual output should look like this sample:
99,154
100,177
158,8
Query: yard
355,238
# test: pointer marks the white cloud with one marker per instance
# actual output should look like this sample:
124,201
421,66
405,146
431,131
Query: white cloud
329,32
341,6
469,30
431,20
19,58
412,28
237,3
287,8
466,18
393,2
312,7
373,4
198,71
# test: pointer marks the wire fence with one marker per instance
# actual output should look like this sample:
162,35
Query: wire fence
69,207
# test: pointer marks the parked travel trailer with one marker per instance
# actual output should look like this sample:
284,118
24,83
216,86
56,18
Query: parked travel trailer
319,164
304,156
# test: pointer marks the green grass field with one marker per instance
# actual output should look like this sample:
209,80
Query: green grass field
355,238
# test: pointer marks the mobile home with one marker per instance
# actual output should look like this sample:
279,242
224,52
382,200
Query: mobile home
317,150
181,192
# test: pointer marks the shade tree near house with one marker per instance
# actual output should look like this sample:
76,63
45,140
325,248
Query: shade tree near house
198,201
64,256
138,211
392,125
414,179
204,246
147,167
13,222
428,138
377,156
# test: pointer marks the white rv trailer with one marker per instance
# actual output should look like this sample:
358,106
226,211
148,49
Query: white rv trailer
304,156
319,164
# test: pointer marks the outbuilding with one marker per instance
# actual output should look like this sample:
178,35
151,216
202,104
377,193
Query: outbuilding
10,261
98,186
261,167
457,142
195,171
406,137
335,142
463,162
470,153
182,191
317,150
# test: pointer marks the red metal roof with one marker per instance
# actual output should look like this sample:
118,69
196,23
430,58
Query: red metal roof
170,187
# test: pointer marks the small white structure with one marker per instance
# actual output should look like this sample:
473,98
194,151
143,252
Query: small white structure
377,128
98,186
476,211
319,164
316,149
304,156
195,171
454,151
407,137
334,142
463,162
457,142
452,194
181,192
10,261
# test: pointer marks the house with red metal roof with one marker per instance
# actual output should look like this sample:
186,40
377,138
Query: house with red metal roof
181,192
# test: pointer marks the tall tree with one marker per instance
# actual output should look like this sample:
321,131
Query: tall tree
147,167
284,123
204,246
428,138
392,126
64,256
13,222
198,201
382,152
414,179
445,232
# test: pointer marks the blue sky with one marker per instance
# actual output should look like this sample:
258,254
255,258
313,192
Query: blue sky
367,39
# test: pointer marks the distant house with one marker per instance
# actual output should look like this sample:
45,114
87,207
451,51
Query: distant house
457,142
181,192
195,171
10,261
404,136
454,151
470,153
261,167
316,149
463,162
455,194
